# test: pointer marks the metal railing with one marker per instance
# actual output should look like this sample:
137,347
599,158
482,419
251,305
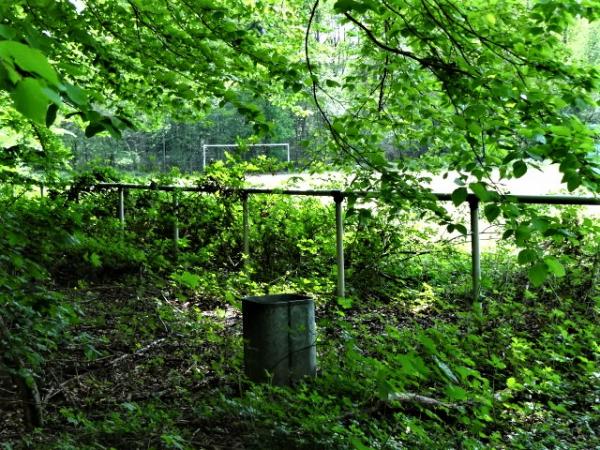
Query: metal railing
338,197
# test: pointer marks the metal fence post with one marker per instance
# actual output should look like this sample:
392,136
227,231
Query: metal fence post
246,227
339,236
475,250
175,221
122,207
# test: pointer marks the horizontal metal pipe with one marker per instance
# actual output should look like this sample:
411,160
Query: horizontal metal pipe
554,199
247,145
212,189
531,199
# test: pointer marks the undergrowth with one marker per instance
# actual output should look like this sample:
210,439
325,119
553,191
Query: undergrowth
134,343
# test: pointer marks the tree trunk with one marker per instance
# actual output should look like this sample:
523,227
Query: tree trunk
31,401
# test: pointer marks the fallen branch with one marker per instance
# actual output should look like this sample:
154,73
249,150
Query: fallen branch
137,352
403,397
409,397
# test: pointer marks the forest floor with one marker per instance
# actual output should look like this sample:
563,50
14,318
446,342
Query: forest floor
140,355
147,369
143,369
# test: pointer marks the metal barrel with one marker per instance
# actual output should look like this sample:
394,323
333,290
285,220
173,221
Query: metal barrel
279,338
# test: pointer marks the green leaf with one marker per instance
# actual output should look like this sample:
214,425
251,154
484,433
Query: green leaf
573,181
456,393
513,384
491,212
52,95
459,121
461,229
519,169
490,19
480,191
538,274
77,95
51,114
189,280
384,388
560,408
29,60
95,260
350,5
555,266
344,302
560,130
358,444
7,32
522,234
527,256
7,71
497,362
427,343
502,90
30,100
476,111
459,196
540,224
93,129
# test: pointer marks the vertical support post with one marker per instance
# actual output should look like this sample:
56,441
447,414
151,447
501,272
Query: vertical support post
203,157
339,236
475,249
287,146
175,222
42,190
122,207
164,151
246,227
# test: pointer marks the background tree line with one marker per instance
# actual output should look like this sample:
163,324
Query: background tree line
163,143
174,143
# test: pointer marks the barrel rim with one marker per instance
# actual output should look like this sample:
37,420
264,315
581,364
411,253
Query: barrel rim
278,299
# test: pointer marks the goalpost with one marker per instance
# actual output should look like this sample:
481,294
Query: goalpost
285,145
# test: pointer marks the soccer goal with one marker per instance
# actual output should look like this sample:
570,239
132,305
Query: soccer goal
215,152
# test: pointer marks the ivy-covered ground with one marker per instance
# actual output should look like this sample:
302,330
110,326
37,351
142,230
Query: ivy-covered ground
135,346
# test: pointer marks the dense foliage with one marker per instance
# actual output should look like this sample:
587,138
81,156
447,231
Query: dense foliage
483,90
404,360
479,90
132,55
483,84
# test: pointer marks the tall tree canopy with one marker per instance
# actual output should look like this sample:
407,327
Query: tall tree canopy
485,84
130,56
478,84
